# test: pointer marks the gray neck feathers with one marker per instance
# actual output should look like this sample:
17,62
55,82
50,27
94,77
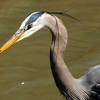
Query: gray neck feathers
67,85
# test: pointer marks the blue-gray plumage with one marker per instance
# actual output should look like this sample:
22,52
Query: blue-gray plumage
34,17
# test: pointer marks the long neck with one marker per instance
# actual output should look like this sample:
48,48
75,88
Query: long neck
59,42
67,85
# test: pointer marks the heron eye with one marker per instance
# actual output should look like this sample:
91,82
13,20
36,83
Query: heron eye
29,26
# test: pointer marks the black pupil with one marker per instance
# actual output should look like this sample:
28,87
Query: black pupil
28,27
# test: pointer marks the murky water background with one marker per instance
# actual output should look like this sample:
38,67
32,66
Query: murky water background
28,60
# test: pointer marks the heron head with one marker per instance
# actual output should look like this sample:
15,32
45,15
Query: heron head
28,27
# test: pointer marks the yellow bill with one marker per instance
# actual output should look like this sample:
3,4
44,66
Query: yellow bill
10,42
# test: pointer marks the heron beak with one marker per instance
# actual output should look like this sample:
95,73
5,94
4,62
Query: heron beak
11,41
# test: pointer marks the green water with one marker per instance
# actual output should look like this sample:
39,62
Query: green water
28,60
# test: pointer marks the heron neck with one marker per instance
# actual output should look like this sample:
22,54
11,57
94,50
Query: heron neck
66,83
59,41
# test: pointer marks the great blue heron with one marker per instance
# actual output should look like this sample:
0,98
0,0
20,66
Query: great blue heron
86,87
